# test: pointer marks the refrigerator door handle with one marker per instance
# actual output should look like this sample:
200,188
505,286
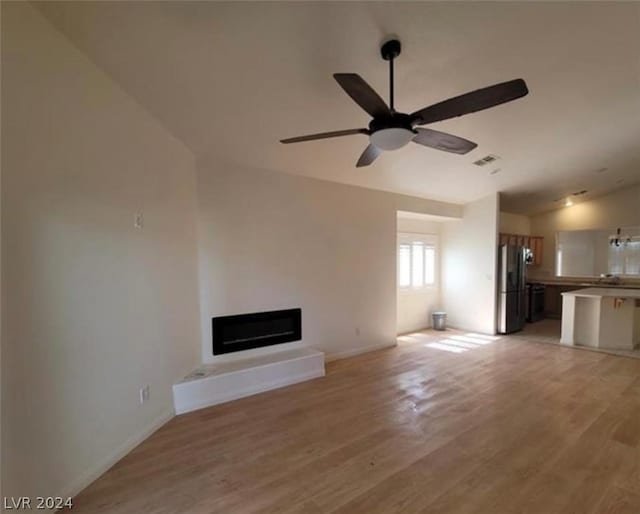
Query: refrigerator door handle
503,268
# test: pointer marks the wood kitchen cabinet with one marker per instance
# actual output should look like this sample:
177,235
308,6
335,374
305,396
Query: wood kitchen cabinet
534,243
552,302
537,247
553,299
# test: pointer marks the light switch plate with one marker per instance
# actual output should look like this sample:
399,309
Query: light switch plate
144,394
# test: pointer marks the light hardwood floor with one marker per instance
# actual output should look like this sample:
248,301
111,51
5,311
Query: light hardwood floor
507,426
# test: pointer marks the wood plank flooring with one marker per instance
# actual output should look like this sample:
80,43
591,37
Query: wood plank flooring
470,425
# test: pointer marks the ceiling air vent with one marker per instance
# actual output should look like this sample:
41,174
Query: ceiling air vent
578,193
486,160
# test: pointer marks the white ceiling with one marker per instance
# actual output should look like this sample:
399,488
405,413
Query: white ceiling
231,79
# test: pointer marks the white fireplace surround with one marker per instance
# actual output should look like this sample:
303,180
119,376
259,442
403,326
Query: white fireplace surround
236,375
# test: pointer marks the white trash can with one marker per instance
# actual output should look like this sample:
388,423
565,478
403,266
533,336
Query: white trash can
439,320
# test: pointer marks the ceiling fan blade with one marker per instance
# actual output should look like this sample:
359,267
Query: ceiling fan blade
324,135
369,155
472,102
443,141
363,94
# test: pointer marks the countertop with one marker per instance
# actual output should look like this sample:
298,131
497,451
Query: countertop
599,292
584,283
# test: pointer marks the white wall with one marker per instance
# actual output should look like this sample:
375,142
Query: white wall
419,226
415,306
1,295
469,263
618,209
515,224
92,308
270,240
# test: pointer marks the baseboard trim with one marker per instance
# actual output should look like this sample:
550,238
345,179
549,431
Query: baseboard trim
99,469
358,351
408,332
464,329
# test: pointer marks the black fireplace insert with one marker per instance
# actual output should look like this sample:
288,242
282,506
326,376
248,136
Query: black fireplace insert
255,330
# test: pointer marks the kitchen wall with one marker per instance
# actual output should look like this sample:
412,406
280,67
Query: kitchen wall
270,240
415,306
469,264
93,308
618,209
515,224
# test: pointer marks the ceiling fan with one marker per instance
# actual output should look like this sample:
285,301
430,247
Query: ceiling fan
391,130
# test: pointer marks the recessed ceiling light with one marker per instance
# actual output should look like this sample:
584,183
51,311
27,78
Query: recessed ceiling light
568,202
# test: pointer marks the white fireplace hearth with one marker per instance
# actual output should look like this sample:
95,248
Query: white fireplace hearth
245,374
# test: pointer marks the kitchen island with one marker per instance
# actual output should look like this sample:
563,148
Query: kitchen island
606,318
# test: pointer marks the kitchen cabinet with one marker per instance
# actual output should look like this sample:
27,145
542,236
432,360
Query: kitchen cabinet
534,243
537,247
553,299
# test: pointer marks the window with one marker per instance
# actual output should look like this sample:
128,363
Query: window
559,262
416,262
632,259
625,259
404,266
429,265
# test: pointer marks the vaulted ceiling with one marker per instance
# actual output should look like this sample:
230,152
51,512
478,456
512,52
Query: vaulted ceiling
231,79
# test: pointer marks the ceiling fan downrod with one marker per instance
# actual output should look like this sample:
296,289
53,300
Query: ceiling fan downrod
389,51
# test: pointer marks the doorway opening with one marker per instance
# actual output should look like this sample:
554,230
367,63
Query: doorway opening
418,270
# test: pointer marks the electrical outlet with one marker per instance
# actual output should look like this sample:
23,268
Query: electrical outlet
138,220
144,394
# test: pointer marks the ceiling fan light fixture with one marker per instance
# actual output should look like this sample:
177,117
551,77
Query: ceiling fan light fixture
391,130
392,138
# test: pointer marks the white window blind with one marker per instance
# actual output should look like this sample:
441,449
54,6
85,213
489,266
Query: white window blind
625,259
632,259
416,264
404,265
429,265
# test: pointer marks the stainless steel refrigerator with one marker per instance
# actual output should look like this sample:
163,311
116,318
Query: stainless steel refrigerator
512,279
